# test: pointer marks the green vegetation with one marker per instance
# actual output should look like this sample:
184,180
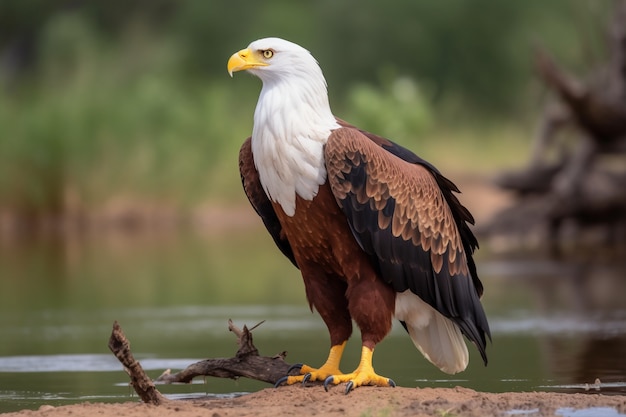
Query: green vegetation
103,100
101,120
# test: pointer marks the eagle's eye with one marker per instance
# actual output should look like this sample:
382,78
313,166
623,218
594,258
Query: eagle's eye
268,53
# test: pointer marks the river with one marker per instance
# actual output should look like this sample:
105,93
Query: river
558,325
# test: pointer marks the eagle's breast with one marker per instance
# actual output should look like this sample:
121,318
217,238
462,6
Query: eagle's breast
288,141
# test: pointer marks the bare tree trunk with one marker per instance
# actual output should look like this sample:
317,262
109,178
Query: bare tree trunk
581,187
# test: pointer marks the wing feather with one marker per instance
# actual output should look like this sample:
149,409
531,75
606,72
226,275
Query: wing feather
259,200
461,215
403,213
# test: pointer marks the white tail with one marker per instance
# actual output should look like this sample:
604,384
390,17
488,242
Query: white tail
437,337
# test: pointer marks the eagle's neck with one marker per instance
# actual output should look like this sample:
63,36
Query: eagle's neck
292,122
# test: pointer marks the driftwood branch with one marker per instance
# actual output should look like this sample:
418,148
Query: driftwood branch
143,385
247,363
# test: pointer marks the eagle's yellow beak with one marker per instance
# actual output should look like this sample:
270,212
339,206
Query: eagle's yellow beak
243,60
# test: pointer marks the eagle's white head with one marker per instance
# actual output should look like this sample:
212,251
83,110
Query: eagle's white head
292,120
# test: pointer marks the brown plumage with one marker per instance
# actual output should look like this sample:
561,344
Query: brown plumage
382,235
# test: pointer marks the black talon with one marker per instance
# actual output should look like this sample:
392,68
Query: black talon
349,386
306,378
391,383
280,381
297,366
327,381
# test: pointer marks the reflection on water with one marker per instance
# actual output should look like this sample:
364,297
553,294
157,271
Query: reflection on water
579,317
572,412
557,326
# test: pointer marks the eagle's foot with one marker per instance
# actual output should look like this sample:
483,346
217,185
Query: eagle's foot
359,378
307,373
363,375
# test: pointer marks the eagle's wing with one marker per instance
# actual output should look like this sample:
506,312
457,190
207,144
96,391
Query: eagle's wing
461,215
404,215
261,204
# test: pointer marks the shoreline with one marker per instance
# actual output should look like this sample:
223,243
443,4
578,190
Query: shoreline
364,401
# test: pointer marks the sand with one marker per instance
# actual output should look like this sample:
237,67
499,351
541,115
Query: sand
364,401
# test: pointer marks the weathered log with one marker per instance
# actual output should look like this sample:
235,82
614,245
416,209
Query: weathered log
143,385
597,103
247,363
601,115
534,180
572,182
599,203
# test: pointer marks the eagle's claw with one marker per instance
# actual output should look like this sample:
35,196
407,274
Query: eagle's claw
353,383
349,386
328,381
285,379
297,366
306,378
281,381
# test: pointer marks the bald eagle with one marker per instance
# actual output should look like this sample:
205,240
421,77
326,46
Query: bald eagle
376,231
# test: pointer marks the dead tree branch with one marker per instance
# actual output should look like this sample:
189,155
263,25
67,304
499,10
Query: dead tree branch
143,385
247,363
581,188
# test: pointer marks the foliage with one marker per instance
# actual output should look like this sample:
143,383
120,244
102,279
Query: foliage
93,128
398,108
102,99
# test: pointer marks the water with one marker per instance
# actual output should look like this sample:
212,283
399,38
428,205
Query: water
571,412
557,325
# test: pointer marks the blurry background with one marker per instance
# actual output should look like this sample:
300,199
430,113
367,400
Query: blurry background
109,105
120,195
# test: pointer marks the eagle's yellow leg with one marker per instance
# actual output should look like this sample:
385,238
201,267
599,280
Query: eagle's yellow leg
363,375
330,367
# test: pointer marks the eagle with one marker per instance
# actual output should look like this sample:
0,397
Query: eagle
376,232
